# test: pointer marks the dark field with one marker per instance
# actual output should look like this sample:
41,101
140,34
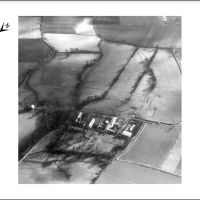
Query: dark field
32,50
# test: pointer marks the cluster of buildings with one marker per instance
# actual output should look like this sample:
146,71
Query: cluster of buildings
103,123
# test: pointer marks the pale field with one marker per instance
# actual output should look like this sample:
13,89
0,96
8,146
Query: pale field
167,93
57,80
67,42
128,173
29,27
163,103
158,146
98,80
123,87
85,27
32,50
26,124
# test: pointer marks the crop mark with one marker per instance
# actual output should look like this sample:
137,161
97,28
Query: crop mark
147,71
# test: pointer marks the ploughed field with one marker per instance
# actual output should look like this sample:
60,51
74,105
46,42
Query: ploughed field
124,66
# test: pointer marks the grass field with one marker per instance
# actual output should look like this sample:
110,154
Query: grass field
157,147
32,50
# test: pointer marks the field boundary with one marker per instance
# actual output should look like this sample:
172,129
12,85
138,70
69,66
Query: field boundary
132,142
148,166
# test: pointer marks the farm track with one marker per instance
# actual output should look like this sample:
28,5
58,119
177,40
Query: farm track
178,63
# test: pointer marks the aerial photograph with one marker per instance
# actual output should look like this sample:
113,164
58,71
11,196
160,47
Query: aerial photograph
99,99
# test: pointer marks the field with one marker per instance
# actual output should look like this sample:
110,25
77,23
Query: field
27,124
31,47
23,68
77,172
101,77
128,173
157,147
157,96
25,97
29,27
72,42
148,32
167,92
123,34
61,25
124,86
32,50
57,80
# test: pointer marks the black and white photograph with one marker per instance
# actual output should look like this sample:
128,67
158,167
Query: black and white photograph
99,99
